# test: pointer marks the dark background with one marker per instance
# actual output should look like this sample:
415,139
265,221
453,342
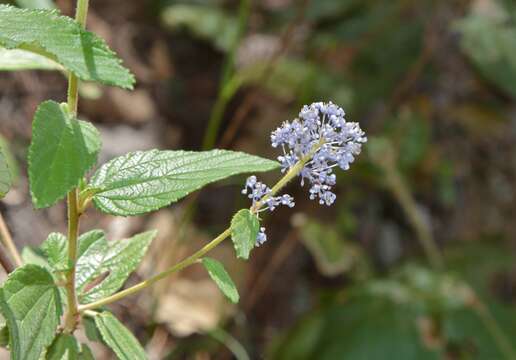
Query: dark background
433,84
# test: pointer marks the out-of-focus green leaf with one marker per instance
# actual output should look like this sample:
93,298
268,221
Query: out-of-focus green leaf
4,332
206,22
12,164
119,338
36,4
5,175
220,276
332,254
61,39
34,256
16,59
86,353
144,181
30,303
62,150
488,38
321,9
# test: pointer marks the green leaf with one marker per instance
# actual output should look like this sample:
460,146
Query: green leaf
4,332
488,40
61,39
30,303
16,59
144,181
5,175
65,347
221,278
120,260
55,249
119,338
206,22
90,260
86,353
62,150
34,256
244,229
36,4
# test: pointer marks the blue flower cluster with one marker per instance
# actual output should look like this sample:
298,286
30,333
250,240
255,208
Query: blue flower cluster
321,134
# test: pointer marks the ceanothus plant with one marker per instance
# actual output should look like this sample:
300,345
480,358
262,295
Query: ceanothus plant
44,300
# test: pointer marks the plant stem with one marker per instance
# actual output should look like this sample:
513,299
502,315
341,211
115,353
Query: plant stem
5,262
72,314
192,259
9,243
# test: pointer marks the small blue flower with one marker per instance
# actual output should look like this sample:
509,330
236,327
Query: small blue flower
261,238
258,192
320,126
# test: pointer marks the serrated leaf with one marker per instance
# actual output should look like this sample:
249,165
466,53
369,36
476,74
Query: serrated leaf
91,257
5,175
61,39
30,303
64,347
62,150
120,260
34,256
244,229
55,249
119,338
144,181
16,59
221,278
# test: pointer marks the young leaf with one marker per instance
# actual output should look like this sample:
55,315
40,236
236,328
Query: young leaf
144,181
36,4
15,60
65,347
62,150
63,40
5,175
90,258
120,260
221,278
30,303
244,229
119,338
55,248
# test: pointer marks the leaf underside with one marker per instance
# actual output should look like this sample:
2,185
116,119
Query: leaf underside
65,347
220,276
244,229
16,60
119,338
30,303
62,150
63,40
5,175
144,181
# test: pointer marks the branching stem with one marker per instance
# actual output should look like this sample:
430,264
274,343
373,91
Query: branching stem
192,259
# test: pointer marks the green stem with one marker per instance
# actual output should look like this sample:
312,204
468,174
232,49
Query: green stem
503,343
192,259
72,313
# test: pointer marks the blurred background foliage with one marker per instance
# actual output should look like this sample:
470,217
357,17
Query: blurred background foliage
415,261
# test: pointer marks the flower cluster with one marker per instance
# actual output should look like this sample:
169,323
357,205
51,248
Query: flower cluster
324,139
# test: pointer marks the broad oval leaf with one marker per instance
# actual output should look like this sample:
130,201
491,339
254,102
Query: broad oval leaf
221,278
55,248
119,338
244,229
5,175
62,150
144,181
112,266
65,347
30,303
61,39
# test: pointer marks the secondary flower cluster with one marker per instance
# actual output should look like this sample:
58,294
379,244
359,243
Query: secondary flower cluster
322,137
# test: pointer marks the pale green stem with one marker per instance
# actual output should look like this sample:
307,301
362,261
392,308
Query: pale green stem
72,314
192,259
9,243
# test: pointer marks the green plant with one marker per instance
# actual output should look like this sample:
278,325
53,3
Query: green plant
44,301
